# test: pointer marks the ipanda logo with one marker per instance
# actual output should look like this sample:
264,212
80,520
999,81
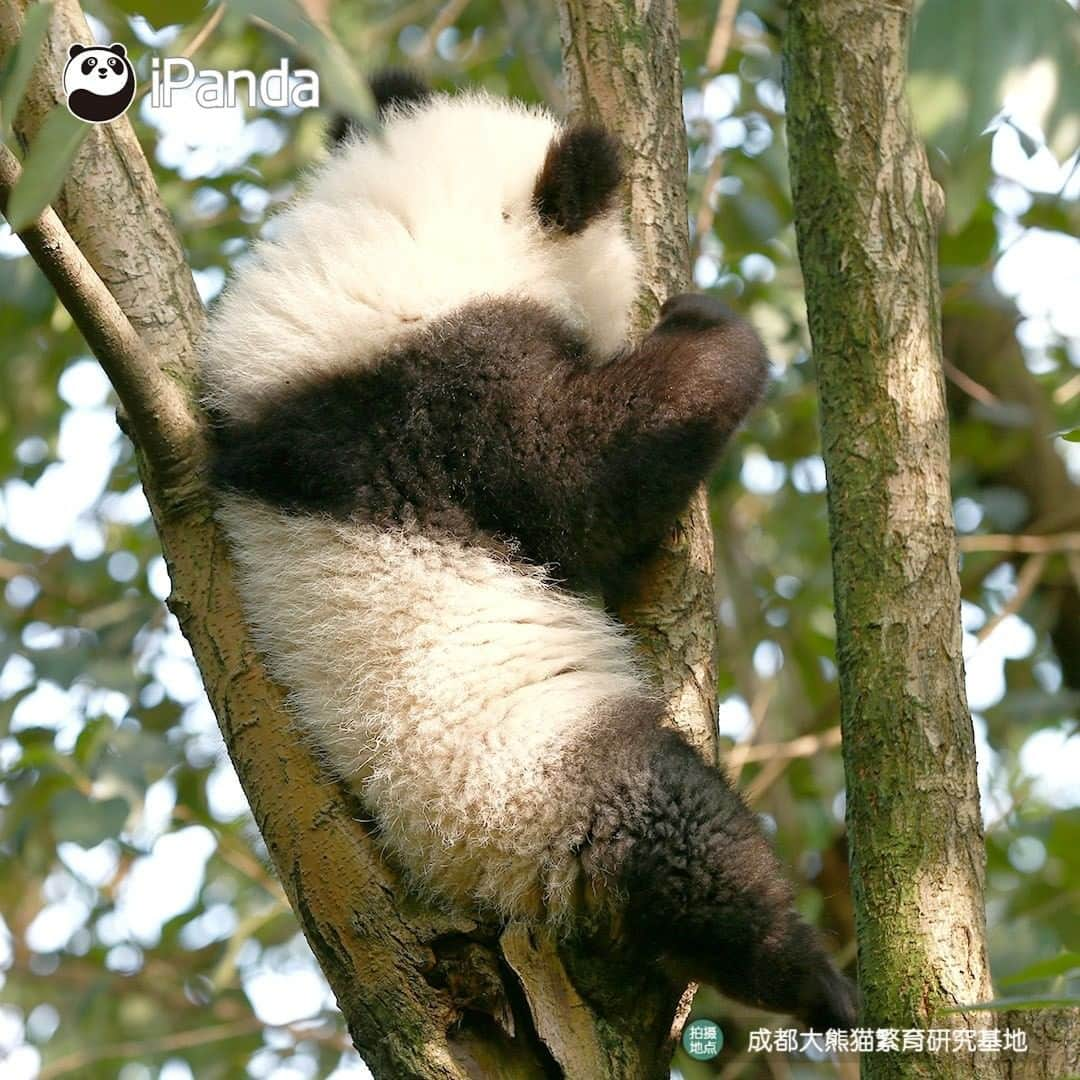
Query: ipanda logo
99,82
278,87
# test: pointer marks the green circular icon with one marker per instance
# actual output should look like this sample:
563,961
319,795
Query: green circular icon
702,1039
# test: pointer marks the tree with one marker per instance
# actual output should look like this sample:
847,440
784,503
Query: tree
427,994
859,174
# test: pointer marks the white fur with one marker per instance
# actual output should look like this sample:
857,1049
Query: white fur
447,686
401,230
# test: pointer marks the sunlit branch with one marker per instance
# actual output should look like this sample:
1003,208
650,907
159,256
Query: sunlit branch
157,414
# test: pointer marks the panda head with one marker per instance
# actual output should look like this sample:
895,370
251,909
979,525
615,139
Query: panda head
458,199
502,198
99,82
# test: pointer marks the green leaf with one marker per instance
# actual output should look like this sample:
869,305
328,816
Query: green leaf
162,14
45,166
91,740
1050,212
26,52
87,821
339,81
966,182
1045,969
1071,436
967,54
971,246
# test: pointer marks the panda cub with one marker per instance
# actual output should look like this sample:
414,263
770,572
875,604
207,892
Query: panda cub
431,441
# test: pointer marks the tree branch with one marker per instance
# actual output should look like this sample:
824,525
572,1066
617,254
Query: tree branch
720,41
1021,544
159,418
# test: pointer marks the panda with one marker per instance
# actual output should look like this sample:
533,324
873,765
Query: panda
433,448
99,82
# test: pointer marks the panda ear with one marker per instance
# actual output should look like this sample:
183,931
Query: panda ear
397,87
579,178
75,49
390,87
119,49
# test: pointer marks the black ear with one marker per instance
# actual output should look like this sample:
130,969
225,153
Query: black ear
117,48
75,49
581,174
397,87
341,127
389,87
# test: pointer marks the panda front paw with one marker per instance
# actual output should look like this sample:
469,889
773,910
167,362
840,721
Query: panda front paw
694,311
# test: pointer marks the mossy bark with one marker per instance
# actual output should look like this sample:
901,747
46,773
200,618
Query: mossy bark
866,216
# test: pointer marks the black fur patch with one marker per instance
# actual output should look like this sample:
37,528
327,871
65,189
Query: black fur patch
398,87
389,87
492,424
703,889
342,127
694,311
579,179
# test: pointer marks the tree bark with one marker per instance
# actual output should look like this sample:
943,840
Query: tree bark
622,69
424,994
866,217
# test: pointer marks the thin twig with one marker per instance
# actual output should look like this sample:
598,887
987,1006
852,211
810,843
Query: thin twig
1026,580
706,214
759,709
200,38
138,1048
160,420
973,389
1067,391
231,852
517,20
450,13
770,773
388,28
275,31
1022,544
803,746
203,34
720,41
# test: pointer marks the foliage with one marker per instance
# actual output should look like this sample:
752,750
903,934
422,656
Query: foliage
136,905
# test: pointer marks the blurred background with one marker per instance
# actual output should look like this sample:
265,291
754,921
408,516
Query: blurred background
141,935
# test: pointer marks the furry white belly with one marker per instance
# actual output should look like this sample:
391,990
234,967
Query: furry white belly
446,685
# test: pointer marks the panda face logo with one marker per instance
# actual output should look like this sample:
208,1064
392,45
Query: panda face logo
99,82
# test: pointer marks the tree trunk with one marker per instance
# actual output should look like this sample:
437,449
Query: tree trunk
424,994
866,212
622,68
